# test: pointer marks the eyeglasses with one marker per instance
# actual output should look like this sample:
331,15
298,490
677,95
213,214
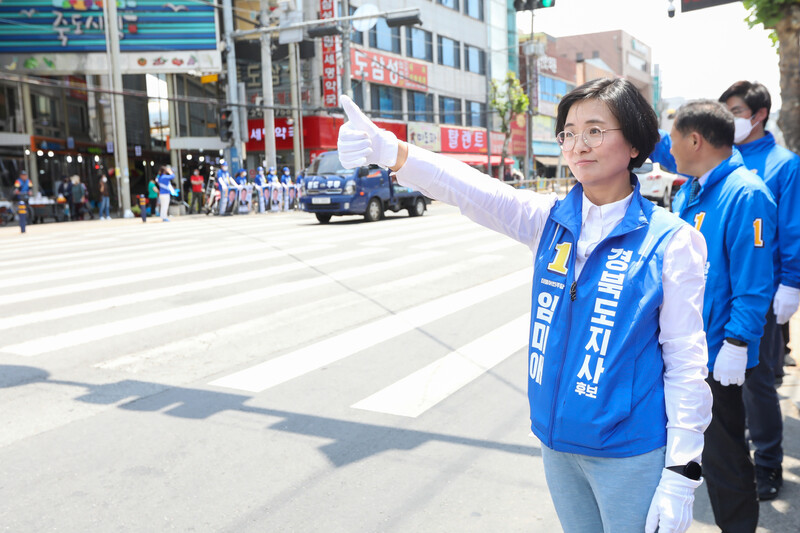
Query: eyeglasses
593,137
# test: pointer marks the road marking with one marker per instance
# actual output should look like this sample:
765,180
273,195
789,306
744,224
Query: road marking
220,338
418,392
161,318
495,246
447,241
71,288
295,364
174,290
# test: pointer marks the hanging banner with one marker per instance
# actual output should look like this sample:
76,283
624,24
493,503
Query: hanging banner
384,69
330,70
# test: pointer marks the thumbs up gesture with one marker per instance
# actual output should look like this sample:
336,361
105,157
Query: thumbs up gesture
361,142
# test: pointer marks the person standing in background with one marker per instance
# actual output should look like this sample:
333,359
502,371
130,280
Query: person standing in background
152,195
165,189
197,191
105,198
736,214
779,168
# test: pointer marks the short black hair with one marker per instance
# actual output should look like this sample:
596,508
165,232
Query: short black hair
710,119
637,119
754,94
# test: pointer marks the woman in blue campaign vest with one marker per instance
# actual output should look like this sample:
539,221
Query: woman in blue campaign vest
617,354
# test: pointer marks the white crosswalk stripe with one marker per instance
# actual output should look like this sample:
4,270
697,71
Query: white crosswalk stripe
384,281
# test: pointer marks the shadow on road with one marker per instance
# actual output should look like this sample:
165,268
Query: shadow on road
350,442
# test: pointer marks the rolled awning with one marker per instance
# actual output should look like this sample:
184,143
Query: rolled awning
547,160
479,159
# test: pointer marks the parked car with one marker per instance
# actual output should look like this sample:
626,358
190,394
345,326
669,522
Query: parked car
657,184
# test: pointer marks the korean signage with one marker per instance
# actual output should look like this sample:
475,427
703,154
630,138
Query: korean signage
463,140
388,70
68,36
425,136
319,133
330,71
79,26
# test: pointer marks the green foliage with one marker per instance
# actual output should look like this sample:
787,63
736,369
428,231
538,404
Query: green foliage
768,13
508,99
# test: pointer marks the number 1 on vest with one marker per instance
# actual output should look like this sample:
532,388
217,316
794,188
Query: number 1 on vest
559,264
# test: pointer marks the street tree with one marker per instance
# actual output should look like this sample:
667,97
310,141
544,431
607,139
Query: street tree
783,18
508,99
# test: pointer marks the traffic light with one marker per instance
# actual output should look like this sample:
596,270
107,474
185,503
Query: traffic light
225,124
528,5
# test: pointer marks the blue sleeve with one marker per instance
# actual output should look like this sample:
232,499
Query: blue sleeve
661,153
749,242
789,223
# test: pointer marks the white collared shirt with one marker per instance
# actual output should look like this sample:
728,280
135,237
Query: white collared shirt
522,213
597,221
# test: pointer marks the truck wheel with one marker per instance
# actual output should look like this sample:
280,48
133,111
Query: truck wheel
323,218
418,209
374,210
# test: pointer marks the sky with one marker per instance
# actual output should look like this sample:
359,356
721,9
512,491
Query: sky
700,53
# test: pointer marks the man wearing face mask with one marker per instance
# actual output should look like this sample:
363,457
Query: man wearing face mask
780,169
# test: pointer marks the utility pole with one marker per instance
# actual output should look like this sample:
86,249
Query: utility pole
121,146
347,86
296,103
232,155
529,59
267,96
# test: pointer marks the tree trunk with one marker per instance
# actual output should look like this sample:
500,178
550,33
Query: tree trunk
504,153
788,31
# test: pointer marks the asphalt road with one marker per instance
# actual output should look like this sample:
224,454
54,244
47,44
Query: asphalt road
268,373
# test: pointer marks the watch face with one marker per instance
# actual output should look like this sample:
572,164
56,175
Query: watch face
693,470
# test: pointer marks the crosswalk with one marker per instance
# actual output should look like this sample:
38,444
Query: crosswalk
255,304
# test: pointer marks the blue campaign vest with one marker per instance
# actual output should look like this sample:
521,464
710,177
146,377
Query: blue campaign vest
595,372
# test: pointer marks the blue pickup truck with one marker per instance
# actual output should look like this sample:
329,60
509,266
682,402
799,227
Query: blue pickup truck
330,189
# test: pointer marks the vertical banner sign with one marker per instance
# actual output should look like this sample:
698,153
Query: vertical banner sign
330,72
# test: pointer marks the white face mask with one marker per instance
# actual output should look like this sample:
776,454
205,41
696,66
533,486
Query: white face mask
743,127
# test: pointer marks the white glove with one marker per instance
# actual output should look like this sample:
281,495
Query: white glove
786,301
361,142
730,364
671,508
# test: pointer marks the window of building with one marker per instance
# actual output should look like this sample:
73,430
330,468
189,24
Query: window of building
78,119
387,102
449,52
419,44
474,8
474,59
452,4
383,37
476,114
420,107
595,54
449,110
355,36
579,56
637,62
552,90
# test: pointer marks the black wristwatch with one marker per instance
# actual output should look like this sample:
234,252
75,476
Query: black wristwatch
692,470
736,342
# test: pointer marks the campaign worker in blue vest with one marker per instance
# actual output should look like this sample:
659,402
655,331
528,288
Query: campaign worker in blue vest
617,354
779,168
165,190
736,214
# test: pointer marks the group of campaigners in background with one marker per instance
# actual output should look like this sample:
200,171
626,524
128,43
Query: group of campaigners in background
160,189
655,341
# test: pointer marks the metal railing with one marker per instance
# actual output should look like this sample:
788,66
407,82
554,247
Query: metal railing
560,186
